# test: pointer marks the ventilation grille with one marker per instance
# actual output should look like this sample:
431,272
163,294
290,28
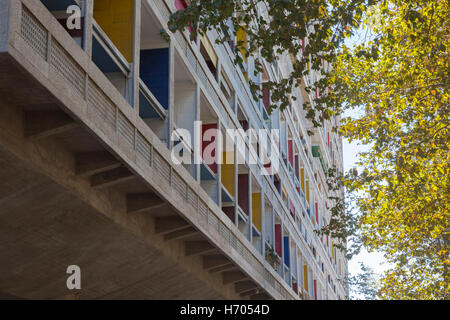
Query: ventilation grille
101,105
125,129
143,148
67,67
34,34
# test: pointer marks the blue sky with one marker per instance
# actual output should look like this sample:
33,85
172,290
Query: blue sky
374,260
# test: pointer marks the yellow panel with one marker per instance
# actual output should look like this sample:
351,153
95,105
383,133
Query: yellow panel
241,35
210,50
228,174
256,210
116,18
305,277
302,179
307,190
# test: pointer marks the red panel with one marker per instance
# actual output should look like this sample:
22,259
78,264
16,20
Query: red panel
180,4
290,153
243,192
278,239
327,240
317,212
268,168
303,45
277,182
266,97
229,211
244,124
294,286
315,289
205,127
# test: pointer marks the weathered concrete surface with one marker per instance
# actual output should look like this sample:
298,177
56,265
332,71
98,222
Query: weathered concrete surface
44,229
28,86
50,218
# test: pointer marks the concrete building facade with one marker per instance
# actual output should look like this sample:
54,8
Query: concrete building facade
93,95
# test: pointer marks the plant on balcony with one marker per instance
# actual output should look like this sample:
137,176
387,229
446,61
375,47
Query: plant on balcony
272,258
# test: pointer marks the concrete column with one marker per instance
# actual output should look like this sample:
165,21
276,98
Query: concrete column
134,83
250,207
263,205
88,13
236,190
171,93
263,226
197,139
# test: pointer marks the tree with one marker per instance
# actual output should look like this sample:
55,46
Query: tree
315,28
398,77
364,284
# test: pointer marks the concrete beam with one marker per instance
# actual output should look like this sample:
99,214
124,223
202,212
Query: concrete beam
249,292
164,225
141,202
181,234
233,277
227,267
90,163
261,296
243,286
111,177
42,124
193,248
214,261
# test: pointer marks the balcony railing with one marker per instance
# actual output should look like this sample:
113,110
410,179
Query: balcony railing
114,118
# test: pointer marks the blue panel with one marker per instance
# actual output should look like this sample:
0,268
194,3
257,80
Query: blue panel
58,5
286,254
154,72
206,174
256,232
225,196
146,110
102,59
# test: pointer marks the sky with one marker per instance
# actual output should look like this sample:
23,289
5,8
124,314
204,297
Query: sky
374,260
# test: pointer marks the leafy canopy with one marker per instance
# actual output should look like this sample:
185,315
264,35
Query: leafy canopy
399,78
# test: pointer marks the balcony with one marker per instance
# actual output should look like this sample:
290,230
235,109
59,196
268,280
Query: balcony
78,135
